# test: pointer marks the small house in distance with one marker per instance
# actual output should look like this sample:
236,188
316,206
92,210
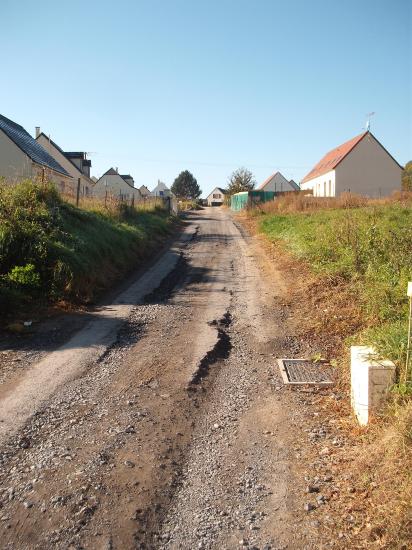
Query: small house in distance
144,191
216,197
22,157
161,190
112,184
278,184
361,165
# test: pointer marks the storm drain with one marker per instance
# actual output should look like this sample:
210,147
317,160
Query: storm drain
303,371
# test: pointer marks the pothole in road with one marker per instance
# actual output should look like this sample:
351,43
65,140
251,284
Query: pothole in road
220,351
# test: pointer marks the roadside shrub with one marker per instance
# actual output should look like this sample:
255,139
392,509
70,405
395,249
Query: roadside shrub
52,249
25,276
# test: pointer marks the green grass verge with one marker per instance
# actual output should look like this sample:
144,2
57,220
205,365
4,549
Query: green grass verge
371,248
51,250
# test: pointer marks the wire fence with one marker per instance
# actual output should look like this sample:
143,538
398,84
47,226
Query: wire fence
112,204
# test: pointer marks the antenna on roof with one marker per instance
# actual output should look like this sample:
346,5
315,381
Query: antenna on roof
368,121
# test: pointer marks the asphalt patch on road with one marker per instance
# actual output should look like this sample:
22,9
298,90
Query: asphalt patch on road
170,284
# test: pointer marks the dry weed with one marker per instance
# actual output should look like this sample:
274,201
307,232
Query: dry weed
300,202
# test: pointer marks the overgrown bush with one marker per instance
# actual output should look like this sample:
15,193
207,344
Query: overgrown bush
50,248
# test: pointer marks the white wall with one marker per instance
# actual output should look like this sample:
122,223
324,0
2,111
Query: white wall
14,164
86,184
368,170
116,187
322,186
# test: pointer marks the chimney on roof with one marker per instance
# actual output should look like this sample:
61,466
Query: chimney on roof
37,131
117,169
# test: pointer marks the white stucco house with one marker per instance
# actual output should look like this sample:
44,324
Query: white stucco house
161,190
75,163
112,184
361,165
216,197
22,157
279,184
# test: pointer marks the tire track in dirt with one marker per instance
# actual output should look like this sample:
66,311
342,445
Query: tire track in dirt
175,438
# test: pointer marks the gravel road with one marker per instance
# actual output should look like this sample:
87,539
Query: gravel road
162,424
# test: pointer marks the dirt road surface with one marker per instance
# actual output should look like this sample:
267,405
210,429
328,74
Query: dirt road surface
161,423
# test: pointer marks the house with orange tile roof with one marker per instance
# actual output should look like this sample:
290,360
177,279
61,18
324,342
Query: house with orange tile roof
361,165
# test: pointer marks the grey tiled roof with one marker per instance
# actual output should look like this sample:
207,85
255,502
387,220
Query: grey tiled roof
294,185
29,145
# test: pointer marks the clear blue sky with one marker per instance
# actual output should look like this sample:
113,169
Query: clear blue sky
155,86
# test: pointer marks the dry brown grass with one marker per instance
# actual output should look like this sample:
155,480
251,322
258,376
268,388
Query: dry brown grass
382,471
112,205
300,202
376,461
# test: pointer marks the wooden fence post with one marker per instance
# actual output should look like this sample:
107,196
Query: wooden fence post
78,192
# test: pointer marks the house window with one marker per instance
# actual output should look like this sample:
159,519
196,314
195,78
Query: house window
161,193
216,196
330,188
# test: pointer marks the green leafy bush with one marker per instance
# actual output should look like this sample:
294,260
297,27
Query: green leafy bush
25,276
52,248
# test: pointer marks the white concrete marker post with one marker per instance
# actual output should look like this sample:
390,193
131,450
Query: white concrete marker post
370,381
409,345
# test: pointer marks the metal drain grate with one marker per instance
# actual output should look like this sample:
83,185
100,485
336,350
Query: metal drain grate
303,371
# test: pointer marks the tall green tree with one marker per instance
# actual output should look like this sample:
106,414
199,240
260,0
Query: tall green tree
185,186
240,180
407,177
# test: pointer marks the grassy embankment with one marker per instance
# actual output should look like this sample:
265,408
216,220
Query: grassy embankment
51,251
364,246
362,252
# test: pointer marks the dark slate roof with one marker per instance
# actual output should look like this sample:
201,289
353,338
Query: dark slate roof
29,145
74,154
110,172
294,185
